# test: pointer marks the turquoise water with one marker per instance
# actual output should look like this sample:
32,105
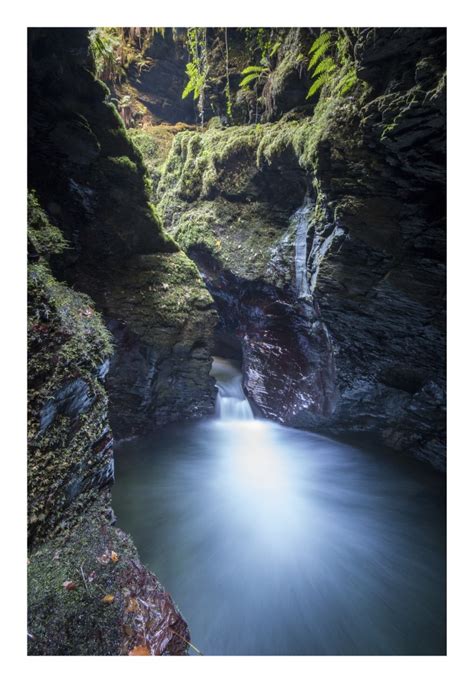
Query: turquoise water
277,541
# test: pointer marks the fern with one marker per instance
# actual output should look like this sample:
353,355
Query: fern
326,66
319,48
195,82
274,48
197,68
318,84
347,82
115,50
251,74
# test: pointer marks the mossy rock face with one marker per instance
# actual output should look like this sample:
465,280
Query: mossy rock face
94,179
165,345
92,182
69,350
154,144
88,593
372,167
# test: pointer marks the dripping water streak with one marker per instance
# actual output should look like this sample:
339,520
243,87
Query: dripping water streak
300,220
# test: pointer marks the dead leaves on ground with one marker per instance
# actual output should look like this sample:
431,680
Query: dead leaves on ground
108,599
140,651
107,557
132,605
70,585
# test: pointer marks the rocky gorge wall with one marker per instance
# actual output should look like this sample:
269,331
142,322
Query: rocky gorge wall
88,593
91,180
310,244
322,240
119,330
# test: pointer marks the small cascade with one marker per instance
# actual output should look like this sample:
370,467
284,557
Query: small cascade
300,220
231,403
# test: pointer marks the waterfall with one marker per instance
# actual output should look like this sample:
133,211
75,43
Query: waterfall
300,220
231,403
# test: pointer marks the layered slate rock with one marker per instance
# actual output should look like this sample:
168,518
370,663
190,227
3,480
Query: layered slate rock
83,574
359,338
91,180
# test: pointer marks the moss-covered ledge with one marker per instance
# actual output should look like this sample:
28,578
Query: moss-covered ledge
88,593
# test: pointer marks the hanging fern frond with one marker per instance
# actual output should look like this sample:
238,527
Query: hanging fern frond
318,84
327,65
197,67
347,82
319,48
251,74
253,69
274,48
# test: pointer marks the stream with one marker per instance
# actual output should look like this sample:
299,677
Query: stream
276,541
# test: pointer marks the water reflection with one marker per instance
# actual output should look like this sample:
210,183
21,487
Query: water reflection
276,541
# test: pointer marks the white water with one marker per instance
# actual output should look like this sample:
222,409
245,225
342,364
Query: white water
231,403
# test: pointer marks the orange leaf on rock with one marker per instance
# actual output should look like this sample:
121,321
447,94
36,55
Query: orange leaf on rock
139,651
108,598
113,556
70,585
132,605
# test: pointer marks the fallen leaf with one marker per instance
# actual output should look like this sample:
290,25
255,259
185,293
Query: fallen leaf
108,598
113,556
132,605
140,651
70,585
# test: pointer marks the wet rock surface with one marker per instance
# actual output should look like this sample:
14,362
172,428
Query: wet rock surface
88,221
91,180
88,593
361,336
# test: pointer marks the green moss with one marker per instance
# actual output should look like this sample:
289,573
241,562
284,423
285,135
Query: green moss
66,341
44,237
164,300
209,177
76,620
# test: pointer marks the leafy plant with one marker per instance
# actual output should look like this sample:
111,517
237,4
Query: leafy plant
195,83
114,50
326,68
197,68
323,66
347,82
252,73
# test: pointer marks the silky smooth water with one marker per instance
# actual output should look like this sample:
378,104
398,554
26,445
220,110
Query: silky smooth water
274,541
231,402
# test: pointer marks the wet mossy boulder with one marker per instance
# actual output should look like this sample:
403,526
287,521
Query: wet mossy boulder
89,594
69,349
372,166
163,319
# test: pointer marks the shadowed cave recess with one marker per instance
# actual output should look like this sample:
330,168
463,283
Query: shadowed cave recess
301,241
